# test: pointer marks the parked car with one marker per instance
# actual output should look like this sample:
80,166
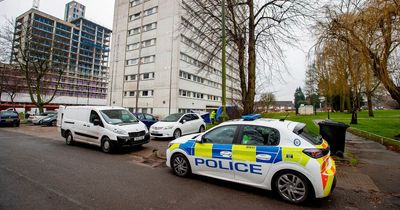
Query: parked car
145,118
270,154
176,125
9,118
103,126
35,119
49,121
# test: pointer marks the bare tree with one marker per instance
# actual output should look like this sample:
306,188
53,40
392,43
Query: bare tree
267,100
256,28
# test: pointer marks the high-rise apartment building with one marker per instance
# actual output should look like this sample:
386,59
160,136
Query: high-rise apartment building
74,10
156,66
81,46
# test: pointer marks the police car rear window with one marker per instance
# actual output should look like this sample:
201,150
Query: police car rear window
302,131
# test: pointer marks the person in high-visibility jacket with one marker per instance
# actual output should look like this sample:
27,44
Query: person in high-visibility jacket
212,116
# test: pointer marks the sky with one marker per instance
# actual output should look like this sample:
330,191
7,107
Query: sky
101,12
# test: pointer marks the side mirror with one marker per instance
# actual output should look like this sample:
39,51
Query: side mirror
96,122
183,121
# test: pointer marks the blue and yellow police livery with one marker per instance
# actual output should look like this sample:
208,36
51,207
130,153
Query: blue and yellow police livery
266,153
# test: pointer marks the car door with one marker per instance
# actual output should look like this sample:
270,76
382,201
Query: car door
150,120
185,124
255,153
213,155
93,132
194,123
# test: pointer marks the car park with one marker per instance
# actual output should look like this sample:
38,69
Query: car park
9,118
107,127
271,154
176,125
49,121
145,118
35,119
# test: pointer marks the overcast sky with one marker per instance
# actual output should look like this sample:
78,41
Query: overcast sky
101,12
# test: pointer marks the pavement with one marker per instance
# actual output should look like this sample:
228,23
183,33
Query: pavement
38,171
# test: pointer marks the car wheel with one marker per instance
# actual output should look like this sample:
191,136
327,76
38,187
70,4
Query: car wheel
201,129
180,165
69,140
106,145
292,187
17,125
177,133
54,123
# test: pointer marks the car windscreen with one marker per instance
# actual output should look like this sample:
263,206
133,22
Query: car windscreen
118,116
9,114
302,131
172,117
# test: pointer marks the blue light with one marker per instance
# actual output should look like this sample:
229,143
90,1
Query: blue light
251,117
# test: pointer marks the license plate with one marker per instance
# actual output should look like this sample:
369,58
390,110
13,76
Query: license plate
156,132
9,120
138,138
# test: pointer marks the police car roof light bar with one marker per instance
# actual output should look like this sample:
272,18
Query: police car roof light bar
251,117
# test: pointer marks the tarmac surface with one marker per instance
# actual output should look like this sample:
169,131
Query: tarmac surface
38,171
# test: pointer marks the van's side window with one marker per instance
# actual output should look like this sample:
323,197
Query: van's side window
94,115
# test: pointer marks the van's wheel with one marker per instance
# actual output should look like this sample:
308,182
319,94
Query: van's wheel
69,140
201,129
106,145
177,133
180,165
292,187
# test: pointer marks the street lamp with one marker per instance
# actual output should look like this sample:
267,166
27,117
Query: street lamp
223,62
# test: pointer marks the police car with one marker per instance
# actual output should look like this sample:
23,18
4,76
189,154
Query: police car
272,154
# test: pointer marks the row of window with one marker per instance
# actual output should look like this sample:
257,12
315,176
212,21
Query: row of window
136,2
147,27
143,60
145,43
206,67
185,75
192,94
147,12
141,110
143,93
144,76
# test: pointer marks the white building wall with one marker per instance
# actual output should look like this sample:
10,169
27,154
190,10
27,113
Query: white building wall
167,64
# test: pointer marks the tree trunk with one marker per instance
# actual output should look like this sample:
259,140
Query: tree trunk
354,116
251,77
369,102
342,99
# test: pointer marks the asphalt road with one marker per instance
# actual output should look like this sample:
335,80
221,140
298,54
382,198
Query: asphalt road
42,173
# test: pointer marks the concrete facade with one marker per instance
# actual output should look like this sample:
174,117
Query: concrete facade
148,41
80,46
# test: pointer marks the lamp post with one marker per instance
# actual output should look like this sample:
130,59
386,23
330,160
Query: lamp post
223,62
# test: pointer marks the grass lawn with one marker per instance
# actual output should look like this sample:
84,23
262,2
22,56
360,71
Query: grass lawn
385,123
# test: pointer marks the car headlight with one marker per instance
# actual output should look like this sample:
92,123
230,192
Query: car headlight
168,127
145,129
122,132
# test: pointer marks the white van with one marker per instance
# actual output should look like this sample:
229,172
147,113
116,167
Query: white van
107,127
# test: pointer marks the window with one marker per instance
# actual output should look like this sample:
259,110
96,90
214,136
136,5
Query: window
148,43
93,116
187,117
194,117
150,11
145,93
134,16
148,59
259,135
150,26
131,62
146,76
148,117
221,135
134,31
144,110
133,46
